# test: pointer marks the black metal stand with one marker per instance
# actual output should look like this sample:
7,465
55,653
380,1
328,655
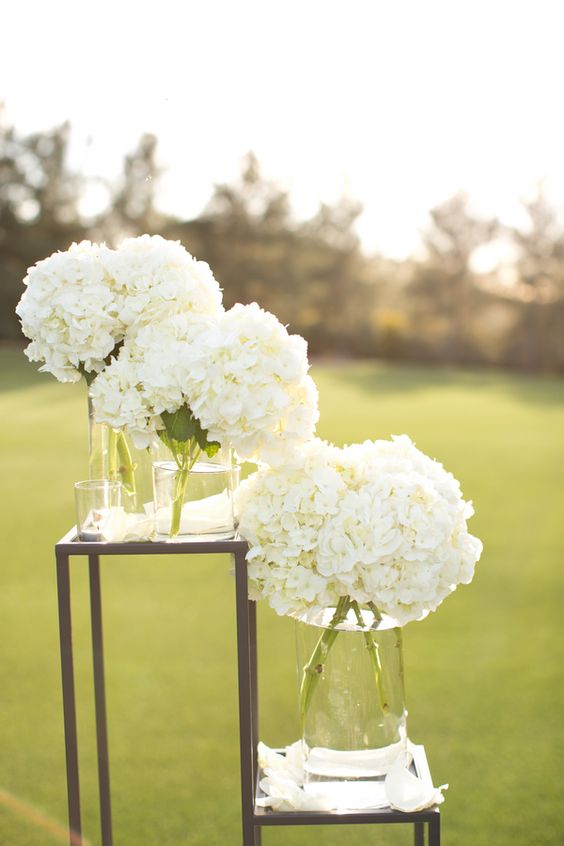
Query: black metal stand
253,818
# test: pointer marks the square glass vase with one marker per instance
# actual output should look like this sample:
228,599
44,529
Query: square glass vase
194,503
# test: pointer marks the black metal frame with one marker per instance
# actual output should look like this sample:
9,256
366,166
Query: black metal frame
253,817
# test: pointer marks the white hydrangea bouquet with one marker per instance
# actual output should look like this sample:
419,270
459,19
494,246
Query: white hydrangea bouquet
377,524
80,306
237,379
360,540
146,327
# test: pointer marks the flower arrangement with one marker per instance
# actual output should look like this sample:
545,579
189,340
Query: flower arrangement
236,379
369,537
82,305
241,375
375,532
145,325
377,523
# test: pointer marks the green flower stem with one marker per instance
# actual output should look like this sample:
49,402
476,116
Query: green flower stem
375,611
112,455
126,466
120,464
374,658
314,667
399,645
185,461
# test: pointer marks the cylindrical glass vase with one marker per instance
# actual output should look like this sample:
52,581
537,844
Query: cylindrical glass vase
113,456
352,697
194,503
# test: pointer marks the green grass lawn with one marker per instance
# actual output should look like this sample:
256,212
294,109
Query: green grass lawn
483,675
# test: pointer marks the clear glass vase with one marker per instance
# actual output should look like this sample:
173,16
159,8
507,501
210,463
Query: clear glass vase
352,697
195,503
113,456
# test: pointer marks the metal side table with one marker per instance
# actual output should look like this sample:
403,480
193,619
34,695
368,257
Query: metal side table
70,546
253,817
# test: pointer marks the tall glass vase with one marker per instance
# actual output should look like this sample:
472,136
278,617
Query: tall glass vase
194,500
352,697
113,456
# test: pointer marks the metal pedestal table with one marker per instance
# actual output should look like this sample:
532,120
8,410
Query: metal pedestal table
71,546
254,818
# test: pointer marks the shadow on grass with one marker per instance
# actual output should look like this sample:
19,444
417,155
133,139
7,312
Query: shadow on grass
378,378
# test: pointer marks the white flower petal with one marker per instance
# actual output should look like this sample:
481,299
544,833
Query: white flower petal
406,792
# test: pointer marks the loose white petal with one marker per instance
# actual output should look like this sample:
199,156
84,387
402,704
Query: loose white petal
406,792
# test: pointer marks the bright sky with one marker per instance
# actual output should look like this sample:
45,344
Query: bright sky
398,103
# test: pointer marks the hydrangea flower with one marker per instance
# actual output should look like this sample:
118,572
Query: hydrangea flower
145,379
157,278
79,305
246,381
71,311
378,522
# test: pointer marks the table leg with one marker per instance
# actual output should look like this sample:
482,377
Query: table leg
254,702
435,831
418,834
254,682
69,699
100,701
245,700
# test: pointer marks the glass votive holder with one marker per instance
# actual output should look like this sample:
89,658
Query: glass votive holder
98,504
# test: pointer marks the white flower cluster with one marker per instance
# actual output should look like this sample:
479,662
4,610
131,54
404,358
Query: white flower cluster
160,313
80,304
379,522
71,311
157,278
146,378
246,381
242,375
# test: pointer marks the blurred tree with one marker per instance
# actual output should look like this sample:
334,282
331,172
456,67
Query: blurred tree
252,202
443,283
341,293
38,208
537,339
309,274
541,249
132,209
312,274
247,234
40,205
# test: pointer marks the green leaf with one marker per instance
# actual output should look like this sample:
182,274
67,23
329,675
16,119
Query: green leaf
89,375
211,448
180,425
165,439
201,435
177,448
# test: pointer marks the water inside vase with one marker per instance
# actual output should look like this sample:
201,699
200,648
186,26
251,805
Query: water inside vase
207,505
352,703
113,456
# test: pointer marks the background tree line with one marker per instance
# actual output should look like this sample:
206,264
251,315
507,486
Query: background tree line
312,274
